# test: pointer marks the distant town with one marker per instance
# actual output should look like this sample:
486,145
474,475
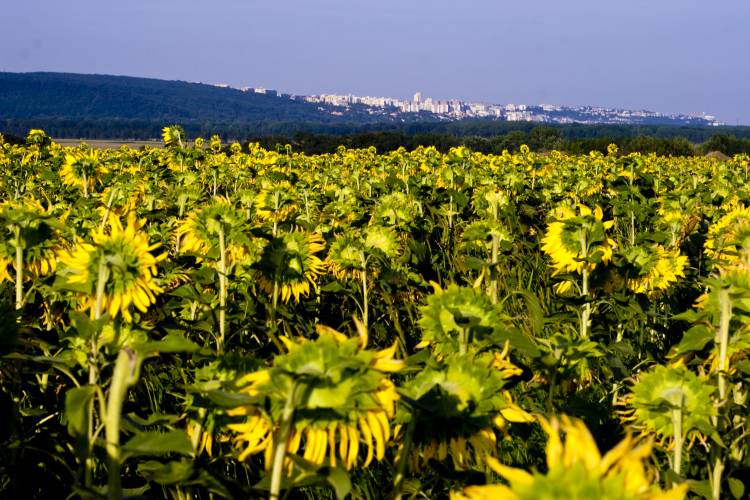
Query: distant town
455,109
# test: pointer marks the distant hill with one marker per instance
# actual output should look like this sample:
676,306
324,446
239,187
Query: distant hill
120,107
46,95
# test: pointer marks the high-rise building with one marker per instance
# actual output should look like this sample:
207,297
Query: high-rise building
418,97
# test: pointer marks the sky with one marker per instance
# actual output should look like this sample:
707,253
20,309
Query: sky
662,55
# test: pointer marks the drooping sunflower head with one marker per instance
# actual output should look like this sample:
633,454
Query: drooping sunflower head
461,314
576,469
342,399
660,391
395,209
479,235
121,258
655,269
276,202
81,168
346,257
577,239
201,231
32,227
289,264
173,136
458,405
729,238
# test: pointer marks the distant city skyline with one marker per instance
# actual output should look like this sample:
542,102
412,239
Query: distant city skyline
672,56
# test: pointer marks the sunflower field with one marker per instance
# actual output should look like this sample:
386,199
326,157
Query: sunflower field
207,320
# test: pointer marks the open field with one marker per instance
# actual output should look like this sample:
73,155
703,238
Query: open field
206,321
109,143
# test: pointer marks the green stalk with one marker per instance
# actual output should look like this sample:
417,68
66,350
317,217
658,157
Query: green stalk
122,378
586,314
463,341
222,290
495,260
716,478
678,438
725,307
108,208
365,301
101,283
19,270
403,459
85,185
287,418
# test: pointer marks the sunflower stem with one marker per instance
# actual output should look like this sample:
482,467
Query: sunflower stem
678,438
101,283
365,306
493,272
85,186
586,314
725,307
108,208
19,269
279,453
716,478
463,341
403,458
222,290
122,378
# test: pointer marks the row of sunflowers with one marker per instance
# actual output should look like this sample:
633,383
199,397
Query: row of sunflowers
204,320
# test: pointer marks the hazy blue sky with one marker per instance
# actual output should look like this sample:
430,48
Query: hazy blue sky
663,55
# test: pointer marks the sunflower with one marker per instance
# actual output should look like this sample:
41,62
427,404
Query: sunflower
35,229
173,136
576,240
456,406
457,318
658,268
729,239
342,397
276,203
346,257
123,259
81,168
351,253
396,210
576,469
200,232
289,265
663,389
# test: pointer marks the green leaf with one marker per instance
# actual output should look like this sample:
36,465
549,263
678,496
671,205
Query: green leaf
736,487
159,443
170,344
76,409
168,473
338,479
695,339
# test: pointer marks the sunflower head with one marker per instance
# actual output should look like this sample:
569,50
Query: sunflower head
458,405
289,264
276,202
81,168
346,257
342,397
173,136
396,210
122,257
467,315
202,229
576,469
654,269
577,239
663,389
729,239
28,225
